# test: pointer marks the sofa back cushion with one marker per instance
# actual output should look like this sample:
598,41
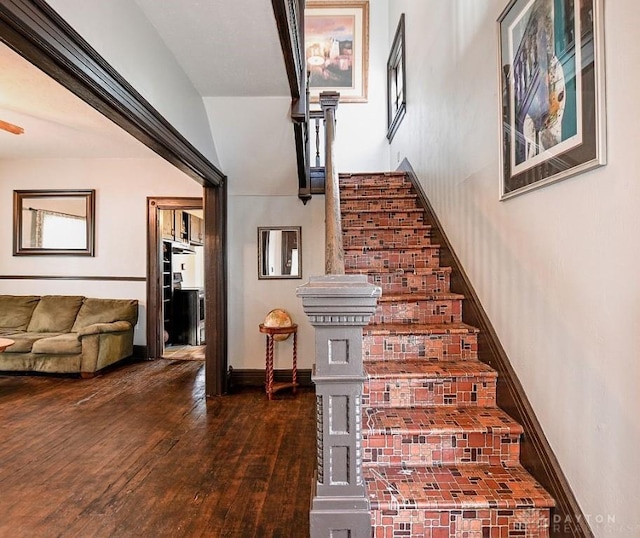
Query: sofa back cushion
106,311
55,313
16,310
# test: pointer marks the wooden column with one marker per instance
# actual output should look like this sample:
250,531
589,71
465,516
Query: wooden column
339,306
334,254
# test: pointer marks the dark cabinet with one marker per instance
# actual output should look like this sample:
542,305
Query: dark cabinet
188,316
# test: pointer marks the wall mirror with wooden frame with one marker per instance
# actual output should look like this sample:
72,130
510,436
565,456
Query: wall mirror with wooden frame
53,222
396,82
280,252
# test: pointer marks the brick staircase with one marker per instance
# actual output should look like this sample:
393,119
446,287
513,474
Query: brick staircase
441,459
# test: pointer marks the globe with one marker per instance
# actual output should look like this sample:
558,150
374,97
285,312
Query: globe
278,318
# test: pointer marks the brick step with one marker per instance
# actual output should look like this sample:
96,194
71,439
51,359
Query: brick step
389,180
379,190
440,436
463,500
404,217
424,280
433,342
391,259
419,309
350,202
386,236
418,383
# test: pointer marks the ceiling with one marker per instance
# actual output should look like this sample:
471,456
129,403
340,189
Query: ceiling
225,48
56,122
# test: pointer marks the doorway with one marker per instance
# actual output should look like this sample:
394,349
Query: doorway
183,292
210,305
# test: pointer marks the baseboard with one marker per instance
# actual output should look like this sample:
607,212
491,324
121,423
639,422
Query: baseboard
240,378
536,454
140,352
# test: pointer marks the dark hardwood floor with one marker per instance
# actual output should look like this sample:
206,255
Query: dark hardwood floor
139,451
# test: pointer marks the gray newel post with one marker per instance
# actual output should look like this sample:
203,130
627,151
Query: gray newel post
339,306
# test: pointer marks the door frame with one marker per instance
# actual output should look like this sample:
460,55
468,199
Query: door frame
213,204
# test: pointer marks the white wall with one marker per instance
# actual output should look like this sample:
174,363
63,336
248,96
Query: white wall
121,34
361,144
556,268
255,144
256,147
122,187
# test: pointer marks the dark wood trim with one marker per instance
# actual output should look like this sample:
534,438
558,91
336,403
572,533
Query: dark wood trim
248,377
216,330
36,32
536,453
75,277
291,33
154,287
140,352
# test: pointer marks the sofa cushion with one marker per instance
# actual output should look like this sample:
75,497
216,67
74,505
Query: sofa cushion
23,342
55,313
16,310
62,344
106,311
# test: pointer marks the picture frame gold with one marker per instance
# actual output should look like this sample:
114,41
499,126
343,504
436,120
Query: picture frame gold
337,48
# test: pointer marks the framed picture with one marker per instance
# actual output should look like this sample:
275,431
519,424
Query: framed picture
396,82
337,48
552,92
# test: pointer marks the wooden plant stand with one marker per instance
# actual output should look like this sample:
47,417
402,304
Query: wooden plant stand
270,385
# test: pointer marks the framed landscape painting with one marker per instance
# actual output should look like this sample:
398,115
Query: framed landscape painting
552,92
337,48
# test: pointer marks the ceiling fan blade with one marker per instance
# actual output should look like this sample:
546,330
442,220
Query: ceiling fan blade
11,128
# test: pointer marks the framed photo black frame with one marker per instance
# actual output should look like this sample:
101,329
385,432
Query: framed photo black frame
551,58
396,81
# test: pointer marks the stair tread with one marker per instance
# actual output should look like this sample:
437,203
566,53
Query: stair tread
413,297
450,487
350,196
438,420
399,210
413,271
403,227
419,369
426,329
367,250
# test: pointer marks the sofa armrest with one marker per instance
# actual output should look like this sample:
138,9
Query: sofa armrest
101,328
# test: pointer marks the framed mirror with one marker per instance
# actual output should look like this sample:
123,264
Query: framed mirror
54,222
280,252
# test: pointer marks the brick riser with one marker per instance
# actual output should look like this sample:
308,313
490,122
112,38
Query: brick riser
419,311
376,237
440,459
438,347
392,260
477,391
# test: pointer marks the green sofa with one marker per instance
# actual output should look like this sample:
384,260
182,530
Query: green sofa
65,333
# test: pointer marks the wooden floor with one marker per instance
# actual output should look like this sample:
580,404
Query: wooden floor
140,452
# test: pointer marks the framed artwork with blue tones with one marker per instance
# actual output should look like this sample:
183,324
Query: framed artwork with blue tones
552,92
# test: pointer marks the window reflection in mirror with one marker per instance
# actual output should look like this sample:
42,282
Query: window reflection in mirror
279,252
54,222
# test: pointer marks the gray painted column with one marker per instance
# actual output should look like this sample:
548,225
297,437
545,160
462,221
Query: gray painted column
339,306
